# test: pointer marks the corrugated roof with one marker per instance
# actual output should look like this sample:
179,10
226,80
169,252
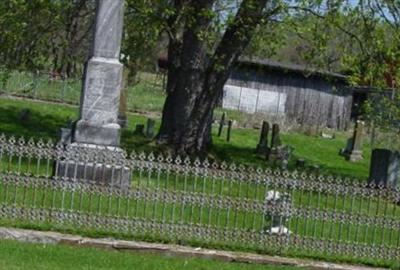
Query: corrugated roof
300,69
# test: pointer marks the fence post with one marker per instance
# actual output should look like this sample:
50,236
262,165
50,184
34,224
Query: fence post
64,82
35,82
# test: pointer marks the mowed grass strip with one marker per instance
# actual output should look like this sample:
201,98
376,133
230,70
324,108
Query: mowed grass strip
102,204
15,255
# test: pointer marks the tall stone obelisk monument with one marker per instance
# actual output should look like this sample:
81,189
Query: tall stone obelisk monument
97,130
98,120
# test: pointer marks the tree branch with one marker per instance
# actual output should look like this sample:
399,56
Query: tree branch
235,39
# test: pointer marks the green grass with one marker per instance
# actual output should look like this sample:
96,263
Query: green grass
47,119
101,204
14,255
146,95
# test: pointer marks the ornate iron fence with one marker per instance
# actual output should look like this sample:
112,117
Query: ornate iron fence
178,199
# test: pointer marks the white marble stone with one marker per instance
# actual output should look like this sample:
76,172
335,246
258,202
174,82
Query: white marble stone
102,83
279,230
99,108
108,30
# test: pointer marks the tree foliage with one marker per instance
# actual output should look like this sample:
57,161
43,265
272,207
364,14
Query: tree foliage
204,38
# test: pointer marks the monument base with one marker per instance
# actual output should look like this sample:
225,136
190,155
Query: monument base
355,155
274,154
262,150
88,164
107,135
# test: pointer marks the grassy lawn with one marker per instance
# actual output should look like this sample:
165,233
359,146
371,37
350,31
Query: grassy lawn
47,119
14,255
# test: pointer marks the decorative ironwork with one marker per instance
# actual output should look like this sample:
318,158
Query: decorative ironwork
183,199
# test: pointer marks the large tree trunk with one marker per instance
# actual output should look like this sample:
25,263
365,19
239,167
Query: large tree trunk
196,80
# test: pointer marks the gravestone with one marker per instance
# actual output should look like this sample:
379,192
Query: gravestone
353,151
328,136
262,147
274,153
97,128
150,128
277,210
300,163
385,168
228,134
24,115
221,124
139,129
98,122
275,140
284,154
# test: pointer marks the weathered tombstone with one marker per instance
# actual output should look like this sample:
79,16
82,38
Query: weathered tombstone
139,129
262,147
122,118
228,134
98,123
150,128
277,211
276,143
24,115
385,168
221,124
275,140
353,151
301,163
328,136
284,153
97,129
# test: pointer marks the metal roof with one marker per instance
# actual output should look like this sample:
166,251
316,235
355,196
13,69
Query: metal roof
287,67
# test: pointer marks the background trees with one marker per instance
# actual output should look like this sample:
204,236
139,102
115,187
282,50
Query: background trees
204,38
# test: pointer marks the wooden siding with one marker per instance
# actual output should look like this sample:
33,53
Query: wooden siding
308,100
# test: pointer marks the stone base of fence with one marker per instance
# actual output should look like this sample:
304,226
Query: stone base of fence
54,238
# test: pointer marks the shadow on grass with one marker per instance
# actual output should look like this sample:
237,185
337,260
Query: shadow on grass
46,125
37,125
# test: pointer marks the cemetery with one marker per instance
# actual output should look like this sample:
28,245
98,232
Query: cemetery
97,158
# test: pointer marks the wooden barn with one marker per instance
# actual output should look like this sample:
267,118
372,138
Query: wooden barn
289,93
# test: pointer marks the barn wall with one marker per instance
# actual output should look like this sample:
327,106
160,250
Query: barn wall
307,101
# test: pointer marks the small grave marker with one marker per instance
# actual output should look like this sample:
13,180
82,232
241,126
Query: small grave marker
277,212
262,147
139,129
24,115
353,151
228,135
273,154
150,128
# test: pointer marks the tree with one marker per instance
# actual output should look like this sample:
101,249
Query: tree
45,34
70,39
198,68
143,39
